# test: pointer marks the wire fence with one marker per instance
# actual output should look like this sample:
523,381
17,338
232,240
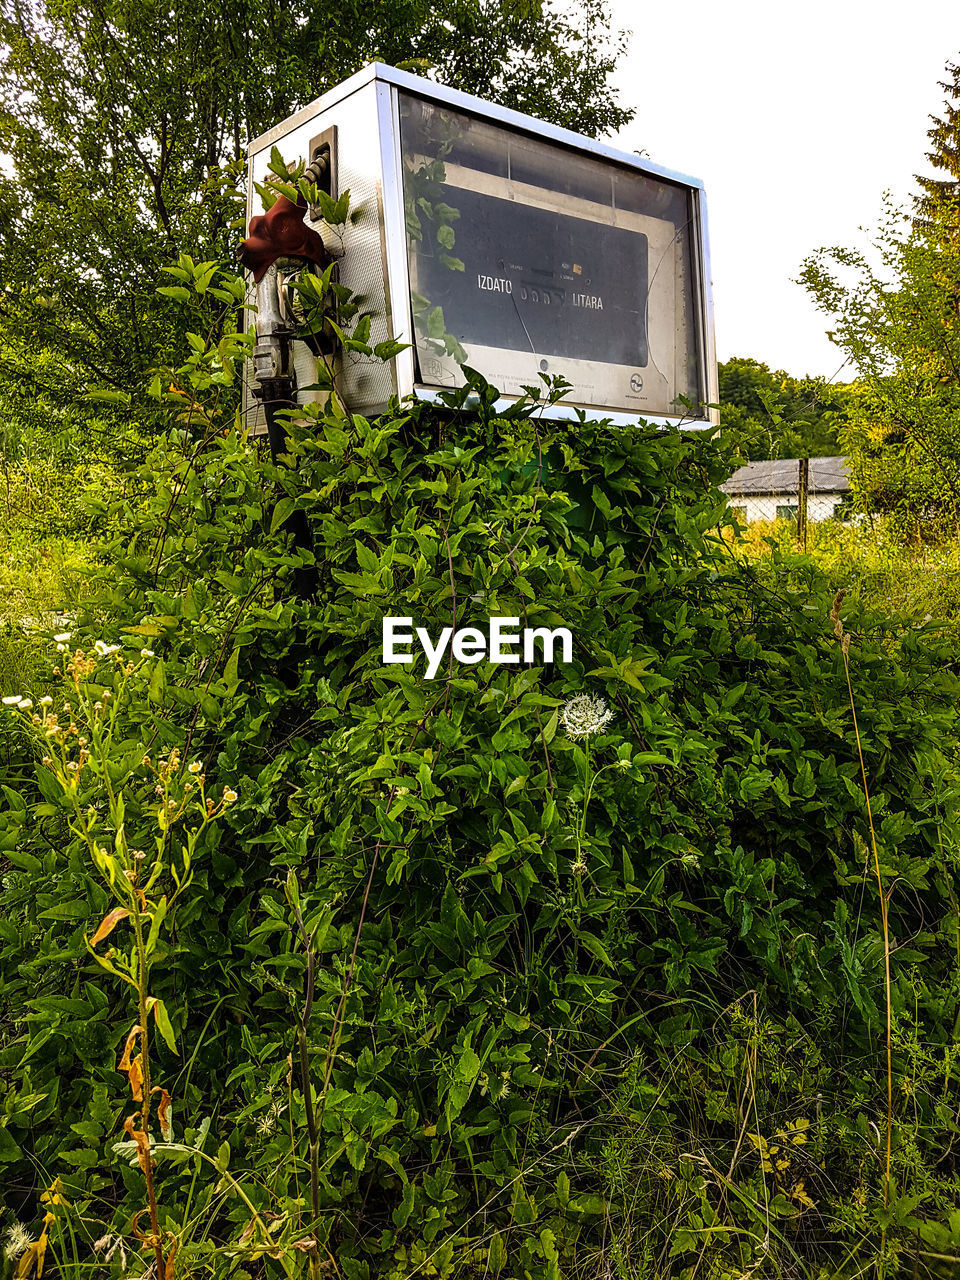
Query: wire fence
786,506
799,490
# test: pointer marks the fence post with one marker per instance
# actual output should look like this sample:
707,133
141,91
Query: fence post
802,489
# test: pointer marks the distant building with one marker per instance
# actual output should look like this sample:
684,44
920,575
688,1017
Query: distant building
770,490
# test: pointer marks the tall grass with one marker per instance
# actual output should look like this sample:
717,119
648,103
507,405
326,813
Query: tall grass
921,585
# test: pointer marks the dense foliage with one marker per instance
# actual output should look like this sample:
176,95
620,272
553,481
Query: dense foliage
774,415
916,586
449,989
894,312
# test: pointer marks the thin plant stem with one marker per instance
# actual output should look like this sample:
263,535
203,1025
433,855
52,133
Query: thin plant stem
142,976
884,918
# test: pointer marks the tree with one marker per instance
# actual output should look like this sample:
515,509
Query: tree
895,310
126,123
894,313
773,415
941,196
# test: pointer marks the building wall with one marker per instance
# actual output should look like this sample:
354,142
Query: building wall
771,506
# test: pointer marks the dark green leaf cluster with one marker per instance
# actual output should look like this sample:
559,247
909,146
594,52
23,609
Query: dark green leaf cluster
545,961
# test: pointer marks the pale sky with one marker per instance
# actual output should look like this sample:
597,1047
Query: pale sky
797,118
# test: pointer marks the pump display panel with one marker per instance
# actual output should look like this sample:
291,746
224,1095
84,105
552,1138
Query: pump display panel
526,259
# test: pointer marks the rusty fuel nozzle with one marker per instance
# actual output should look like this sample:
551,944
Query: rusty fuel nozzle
280,233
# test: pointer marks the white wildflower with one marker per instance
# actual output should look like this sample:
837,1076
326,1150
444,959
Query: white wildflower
25,704
46,701
17,1240
110,1244
105,650
585,715
195,766
12,701
147,653
229,796
63,637
267,1124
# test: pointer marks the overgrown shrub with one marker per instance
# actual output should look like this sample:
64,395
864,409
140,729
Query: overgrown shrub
607,1004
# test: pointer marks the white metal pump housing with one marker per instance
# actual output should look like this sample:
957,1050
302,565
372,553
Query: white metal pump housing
485,237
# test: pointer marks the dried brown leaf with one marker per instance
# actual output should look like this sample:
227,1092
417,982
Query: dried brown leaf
163,1113
168,1269
107,923
143,1146
136,1078
124,1063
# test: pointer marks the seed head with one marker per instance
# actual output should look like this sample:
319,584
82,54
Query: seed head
585,715
17,1240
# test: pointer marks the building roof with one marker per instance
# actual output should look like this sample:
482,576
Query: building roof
826,475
